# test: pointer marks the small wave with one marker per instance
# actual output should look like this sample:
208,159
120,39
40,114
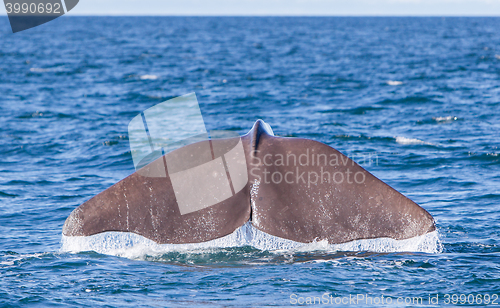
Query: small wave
134,246
404,140
4,194
148,77
394,82
445,119
39,70
355,111
9,259
57,69
35,114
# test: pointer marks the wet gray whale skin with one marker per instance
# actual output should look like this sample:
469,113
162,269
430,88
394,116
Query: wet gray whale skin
293,208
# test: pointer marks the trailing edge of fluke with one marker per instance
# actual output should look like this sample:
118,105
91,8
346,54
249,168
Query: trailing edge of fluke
292,188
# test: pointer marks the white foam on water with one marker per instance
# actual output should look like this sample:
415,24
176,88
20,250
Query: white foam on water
40,70
445,119
134,246
148,77
404,140
394,82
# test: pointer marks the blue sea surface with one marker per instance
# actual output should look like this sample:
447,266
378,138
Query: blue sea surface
419,96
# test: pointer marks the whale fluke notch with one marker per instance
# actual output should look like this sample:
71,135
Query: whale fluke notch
296,189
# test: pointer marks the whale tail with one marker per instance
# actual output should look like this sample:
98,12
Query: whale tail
293,188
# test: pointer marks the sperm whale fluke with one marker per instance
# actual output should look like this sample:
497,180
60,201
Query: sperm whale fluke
293,188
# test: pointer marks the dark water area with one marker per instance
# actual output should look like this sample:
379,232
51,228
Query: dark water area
419,96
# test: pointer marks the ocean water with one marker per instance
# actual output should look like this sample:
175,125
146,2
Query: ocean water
415,101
